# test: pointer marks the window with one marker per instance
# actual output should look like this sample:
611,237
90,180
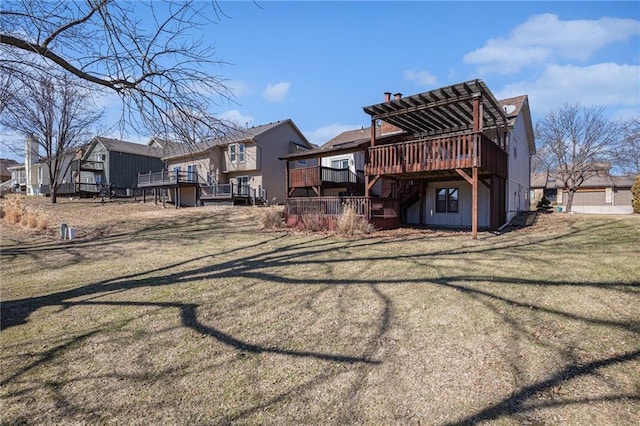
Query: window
241,152
236,153
447,200
340,164
191,173
302,162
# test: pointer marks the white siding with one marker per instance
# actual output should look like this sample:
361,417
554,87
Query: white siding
462,217
517,191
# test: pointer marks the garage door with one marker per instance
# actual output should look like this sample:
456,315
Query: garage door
623,197
591,198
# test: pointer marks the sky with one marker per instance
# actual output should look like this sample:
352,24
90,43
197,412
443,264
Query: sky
319,63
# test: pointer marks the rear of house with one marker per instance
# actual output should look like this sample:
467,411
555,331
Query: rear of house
242,167
453,156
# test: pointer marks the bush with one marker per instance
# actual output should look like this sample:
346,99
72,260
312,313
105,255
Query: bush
14,212
313,222
635,190
544,204
351,223
271,218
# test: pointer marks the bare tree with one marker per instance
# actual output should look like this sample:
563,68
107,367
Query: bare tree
627,154
574,140
147,52
56,115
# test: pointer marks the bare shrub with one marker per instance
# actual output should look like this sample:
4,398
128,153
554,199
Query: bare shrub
42,223
313,222
14,210
271,218
350,223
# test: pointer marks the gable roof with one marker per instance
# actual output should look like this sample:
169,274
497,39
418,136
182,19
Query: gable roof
348,137
5,163
239,135
117,145
542,180
518,106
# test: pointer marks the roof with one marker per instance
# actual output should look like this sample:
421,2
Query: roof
444,110
116,145
513,107
5,163
240,135
349,137
540,180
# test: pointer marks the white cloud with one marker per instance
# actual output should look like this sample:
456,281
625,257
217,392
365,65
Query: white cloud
606,84
544,37
325,133
276,92
238,87
236,117
422,78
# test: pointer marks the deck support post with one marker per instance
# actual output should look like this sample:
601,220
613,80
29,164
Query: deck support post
164,198
144,196
474,214
473,181
286,178
421,201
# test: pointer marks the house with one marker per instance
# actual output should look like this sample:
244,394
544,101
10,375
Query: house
18,178
5,173
7,183
114,164
453,156
242,167
600,193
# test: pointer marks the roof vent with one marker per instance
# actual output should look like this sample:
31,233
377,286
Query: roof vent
508,109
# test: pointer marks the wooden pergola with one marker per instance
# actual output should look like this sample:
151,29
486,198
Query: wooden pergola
460,118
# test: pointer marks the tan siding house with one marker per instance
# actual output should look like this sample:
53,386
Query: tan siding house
243,166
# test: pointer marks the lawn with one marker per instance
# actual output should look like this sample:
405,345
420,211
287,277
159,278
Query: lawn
196,316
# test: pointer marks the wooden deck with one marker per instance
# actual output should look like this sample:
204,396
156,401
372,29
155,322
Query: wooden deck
307,177
445,153
166,178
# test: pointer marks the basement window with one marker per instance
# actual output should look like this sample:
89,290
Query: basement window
447,200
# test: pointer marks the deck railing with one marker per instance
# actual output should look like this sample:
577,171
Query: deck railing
92,165
232,190
452,152
166,177
334,206
302,177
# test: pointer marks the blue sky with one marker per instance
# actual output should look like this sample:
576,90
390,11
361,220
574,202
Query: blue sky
319,63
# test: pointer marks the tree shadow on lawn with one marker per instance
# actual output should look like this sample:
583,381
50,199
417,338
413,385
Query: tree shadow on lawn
253,266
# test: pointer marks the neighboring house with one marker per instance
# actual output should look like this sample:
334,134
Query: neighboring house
600,193
454,156
18,178
114,165
242,167
5,173
7,184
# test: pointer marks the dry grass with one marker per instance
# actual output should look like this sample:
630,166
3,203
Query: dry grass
14,211
271,217
194,316
350,224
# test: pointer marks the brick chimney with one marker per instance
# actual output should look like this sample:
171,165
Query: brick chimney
385,127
